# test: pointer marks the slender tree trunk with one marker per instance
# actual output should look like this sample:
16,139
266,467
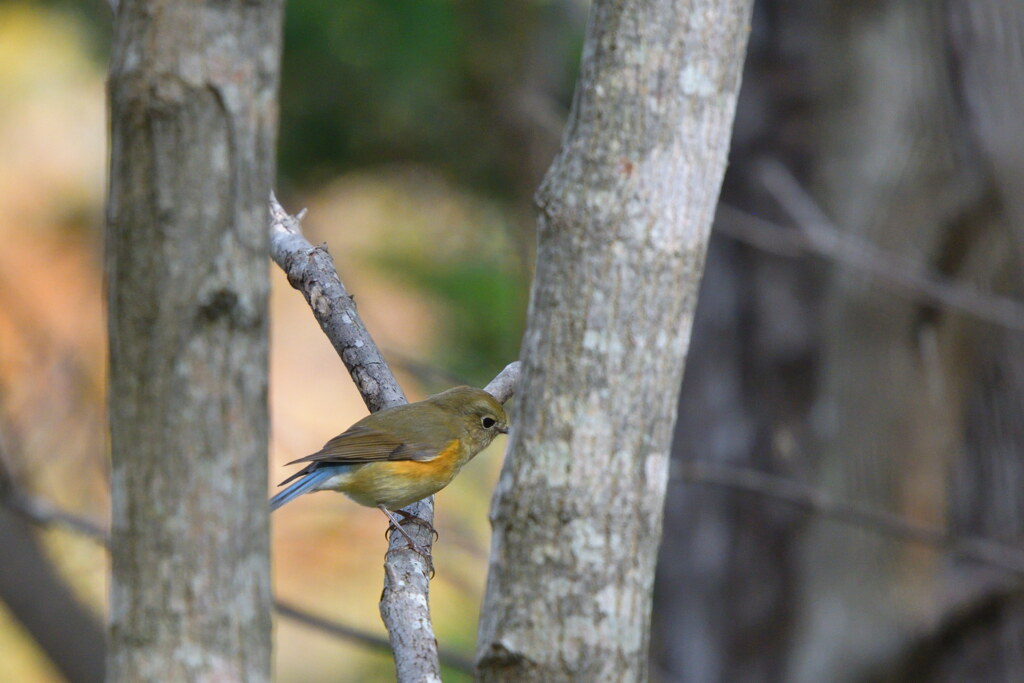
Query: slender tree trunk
744,399
625,214
193,122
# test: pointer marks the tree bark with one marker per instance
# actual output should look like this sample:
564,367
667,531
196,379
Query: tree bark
193,121
405,600
744,398
625,213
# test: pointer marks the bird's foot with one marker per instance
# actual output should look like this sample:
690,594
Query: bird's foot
411,544
408,517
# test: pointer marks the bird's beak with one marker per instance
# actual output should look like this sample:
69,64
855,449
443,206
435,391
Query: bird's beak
502,429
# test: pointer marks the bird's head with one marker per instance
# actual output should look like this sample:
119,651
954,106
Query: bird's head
480,415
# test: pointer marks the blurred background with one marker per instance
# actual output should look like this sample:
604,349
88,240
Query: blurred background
847,501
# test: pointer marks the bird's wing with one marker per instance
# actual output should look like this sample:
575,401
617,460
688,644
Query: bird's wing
376,438
362,444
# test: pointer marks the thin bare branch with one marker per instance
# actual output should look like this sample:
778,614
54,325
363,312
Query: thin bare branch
763,235
503,386
45,514
346,632
311,271
343,631
819,235
815,501
404,604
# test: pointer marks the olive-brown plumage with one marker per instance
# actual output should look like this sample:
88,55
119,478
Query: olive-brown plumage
400,455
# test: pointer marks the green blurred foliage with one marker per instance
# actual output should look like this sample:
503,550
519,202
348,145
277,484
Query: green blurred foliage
362,81
429,81
365,83
95,19
370,83
485,305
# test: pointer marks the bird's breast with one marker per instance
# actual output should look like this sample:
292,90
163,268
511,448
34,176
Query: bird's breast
398,483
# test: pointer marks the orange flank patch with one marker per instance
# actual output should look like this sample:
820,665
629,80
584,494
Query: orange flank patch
398,483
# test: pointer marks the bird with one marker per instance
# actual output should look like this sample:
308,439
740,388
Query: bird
403,454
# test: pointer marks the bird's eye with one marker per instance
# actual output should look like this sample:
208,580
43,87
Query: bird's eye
488,422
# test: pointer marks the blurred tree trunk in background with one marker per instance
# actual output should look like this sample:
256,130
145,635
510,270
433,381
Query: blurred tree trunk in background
894,425
193,120
70,635
891,390
915,147
726,571
625,213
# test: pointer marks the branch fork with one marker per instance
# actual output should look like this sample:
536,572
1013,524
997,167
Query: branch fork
404,603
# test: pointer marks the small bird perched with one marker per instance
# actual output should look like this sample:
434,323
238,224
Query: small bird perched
403,454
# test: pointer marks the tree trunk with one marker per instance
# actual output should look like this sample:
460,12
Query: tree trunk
625,214
193,120
895,374
744,399
902,405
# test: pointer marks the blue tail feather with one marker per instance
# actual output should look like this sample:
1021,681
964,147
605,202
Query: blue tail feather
306,484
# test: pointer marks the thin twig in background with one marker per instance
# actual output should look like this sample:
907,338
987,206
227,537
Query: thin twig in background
41,512
817,502
817,234
448,658
762,234
44,514
425,373
741,479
